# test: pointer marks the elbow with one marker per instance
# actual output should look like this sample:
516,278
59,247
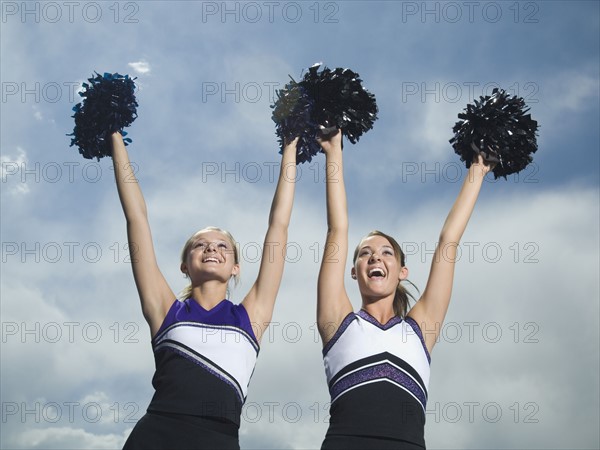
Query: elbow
277,222
277,233
450,237
137,215
338,227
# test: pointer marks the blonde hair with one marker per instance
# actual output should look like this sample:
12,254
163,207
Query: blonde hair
401,301
187,291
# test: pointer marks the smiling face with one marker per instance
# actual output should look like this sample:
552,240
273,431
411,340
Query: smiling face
210,254
377,267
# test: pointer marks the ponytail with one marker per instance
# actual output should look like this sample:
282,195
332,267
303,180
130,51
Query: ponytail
401,302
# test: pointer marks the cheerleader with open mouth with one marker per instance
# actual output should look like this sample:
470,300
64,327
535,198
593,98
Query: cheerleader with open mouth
377,360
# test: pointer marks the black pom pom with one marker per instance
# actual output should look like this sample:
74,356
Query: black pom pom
498,127
321,102
109,105
292,115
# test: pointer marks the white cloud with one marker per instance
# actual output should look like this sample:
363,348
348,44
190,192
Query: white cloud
141,67
429,128
573,90
11,164
11,167
37,113
68,438
565,98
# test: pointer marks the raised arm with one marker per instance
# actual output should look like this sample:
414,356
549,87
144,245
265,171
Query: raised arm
155,294
333,304
260,301
430,310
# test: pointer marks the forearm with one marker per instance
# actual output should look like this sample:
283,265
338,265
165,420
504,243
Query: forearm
337,209
281,208
128,187
461,211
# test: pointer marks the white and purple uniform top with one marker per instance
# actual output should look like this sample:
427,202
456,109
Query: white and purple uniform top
378,376
204,360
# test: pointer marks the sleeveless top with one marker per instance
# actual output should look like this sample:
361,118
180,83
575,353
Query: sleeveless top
378,376
204,361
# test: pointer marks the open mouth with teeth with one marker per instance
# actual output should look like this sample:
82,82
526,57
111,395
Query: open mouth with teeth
215,260
376,273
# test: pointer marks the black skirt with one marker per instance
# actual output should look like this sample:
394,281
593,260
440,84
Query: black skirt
159,431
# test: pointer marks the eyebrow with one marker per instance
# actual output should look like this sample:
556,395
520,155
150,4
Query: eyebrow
219,241
370,248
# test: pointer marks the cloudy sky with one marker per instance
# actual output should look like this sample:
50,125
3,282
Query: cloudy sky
518,359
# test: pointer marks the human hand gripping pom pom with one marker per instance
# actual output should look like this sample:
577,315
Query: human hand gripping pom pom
320,103
498,128
108,105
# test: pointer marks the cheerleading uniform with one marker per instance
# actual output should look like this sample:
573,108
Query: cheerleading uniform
378,377
204,362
